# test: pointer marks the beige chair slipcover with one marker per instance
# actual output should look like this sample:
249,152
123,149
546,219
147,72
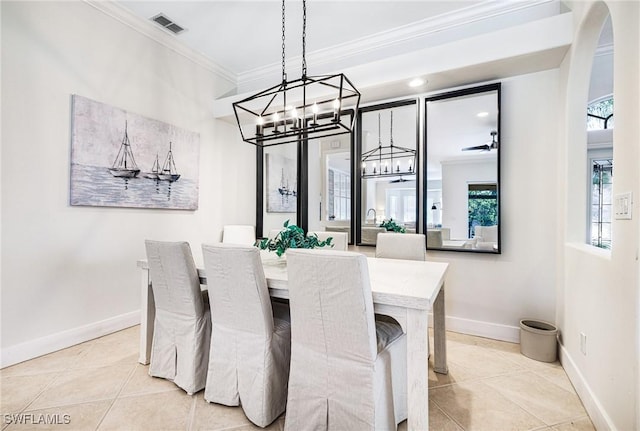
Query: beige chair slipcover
348,371
250,338
182,327
239,234
339,240
408,246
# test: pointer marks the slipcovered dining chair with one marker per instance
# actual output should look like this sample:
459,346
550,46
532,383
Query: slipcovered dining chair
182,327
339,240
239,234
250,338
348,370
408,246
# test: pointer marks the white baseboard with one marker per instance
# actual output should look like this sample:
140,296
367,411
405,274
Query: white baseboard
596,411
479,328
41,346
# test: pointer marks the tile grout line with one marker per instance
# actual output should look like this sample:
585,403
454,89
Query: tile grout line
113,401
192,413
53,380
447,415
544,424
479,379
520,404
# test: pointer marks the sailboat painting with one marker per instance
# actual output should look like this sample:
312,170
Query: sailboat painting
281,184
122,159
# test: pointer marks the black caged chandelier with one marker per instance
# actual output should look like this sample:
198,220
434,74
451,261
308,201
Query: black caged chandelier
306,108
388,160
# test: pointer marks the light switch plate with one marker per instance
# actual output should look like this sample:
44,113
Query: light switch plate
623,203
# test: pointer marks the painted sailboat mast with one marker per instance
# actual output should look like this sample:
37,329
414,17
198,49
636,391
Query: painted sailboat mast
169,171
124,165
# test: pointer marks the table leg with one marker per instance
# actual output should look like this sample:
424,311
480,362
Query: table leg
439,335
147,317
417,370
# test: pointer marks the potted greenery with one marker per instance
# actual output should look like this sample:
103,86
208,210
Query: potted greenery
291,236
392,226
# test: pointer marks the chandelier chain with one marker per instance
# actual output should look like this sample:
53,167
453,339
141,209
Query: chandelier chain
284,74
304,38
391,130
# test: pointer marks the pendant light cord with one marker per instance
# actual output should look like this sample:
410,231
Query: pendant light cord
304,39
391,130
284,74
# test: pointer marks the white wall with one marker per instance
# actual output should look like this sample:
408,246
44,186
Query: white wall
488,294
456,177
599,291
69,273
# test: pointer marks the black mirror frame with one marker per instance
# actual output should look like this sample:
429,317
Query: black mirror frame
450,95
358,183
302,198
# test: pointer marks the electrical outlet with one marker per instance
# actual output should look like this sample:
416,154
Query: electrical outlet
583,343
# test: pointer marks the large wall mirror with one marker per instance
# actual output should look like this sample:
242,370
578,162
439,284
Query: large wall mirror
278,188
462,170
330,182
387,160
309,183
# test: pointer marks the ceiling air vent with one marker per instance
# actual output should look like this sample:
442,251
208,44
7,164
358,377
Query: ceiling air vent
165,22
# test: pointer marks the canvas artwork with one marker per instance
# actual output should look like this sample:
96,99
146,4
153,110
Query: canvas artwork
122,159
281,184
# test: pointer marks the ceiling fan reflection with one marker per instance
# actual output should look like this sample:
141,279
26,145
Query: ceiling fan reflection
493,145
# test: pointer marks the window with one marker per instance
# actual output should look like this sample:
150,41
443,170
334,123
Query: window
401,205
601,191
483,206
339,205
600,114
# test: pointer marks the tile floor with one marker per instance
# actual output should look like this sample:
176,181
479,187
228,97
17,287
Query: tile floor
98,385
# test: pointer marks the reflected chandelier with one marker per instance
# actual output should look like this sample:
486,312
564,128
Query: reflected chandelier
388,160
306,108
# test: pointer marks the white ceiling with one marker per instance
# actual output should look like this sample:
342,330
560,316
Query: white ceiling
243,39
242,36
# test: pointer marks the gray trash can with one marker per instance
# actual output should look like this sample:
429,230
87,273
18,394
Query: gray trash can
538,340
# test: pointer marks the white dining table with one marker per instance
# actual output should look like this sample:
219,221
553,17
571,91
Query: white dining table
403,289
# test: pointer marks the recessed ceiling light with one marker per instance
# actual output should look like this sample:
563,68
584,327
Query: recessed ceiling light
417,82
482,114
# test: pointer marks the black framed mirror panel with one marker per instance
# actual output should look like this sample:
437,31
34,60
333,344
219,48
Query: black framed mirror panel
387,174
330,183
461,180
296,182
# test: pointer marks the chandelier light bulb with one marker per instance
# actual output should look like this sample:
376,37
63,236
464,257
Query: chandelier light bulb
336,110
314,109
260,123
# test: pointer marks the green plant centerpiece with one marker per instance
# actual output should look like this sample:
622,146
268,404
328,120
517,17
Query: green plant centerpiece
291,236
392,226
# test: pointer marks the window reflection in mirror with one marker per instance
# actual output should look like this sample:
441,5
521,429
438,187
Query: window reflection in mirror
462,142
330,185
387,168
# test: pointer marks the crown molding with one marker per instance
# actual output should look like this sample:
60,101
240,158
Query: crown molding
396,37
150,30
